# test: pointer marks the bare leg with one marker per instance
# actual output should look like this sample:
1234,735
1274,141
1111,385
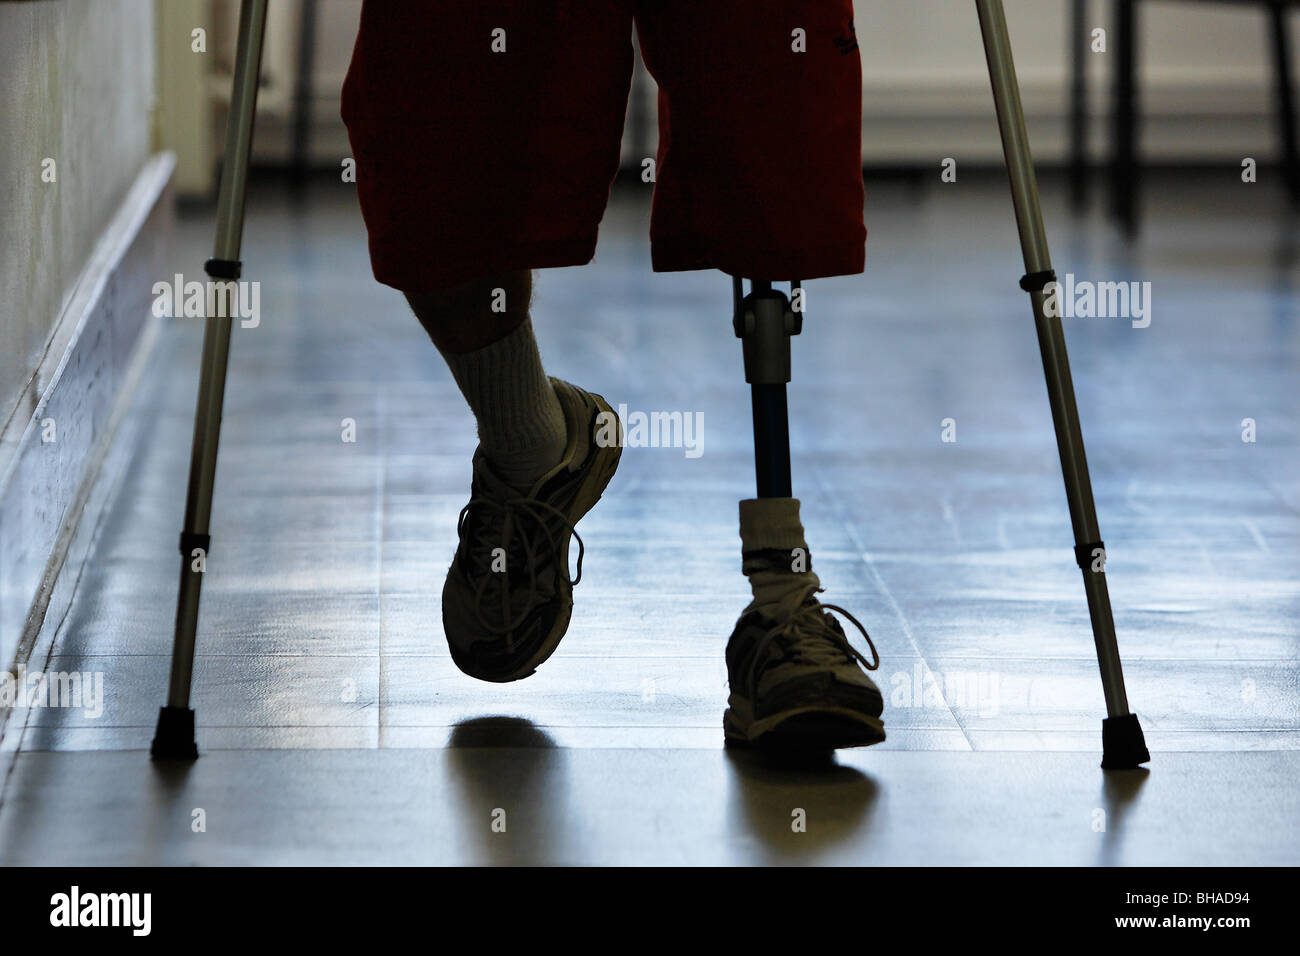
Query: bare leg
462,318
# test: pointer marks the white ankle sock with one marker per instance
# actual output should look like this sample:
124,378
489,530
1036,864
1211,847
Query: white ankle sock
777,561
521,425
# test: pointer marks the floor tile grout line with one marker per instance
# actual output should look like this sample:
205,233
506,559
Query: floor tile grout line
382,517
710,726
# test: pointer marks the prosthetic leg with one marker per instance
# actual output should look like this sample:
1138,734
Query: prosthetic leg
174,737
765,320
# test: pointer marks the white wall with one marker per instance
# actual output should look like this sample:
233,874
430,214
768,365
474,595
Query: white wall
184,109
76,83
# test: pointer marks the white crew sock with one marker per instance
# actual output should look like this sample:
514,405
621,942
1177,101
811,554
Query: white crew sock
521,425
776,557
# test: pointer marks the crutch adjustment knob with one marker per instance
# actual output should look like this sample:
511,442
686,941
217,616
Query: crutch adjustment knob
191,540
223,268
1087,556
1037,281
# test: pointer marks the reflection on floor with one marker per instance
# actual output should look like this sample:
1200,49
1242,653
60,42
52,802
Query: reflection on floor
336,729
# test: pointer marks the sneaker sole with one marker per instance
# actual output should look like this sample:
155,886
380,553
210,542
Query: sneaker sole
589,492
809,728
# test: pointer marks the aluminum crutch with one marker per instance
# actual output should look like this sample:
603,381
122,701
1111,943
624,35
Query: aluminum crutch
1122,744
174,737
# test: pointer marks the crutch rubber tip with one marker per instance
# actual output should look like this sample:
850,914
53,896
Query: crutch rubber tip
1122,744
174,738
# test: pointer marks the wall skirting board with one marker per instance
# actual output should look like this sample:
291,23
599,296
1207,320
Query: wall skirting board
53,443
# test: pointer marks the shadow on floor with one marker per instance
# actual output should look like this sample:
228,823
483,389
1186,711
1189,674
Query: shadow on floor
509,774
797,808
1120,790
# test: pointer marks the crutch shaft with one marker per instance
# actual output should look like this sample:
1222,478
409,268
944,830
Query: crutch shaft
239,131
224,265
1089,551
1015,138
198,505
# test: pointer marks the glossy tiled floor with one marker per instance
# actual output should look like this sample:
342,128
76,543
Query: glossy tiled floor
336,729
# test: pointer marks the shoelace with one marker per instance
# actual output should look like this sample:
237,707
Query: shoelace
491,535
813,638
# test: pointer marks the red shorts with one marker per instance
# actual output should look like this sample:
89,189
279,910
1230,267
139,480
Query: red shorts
473,161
